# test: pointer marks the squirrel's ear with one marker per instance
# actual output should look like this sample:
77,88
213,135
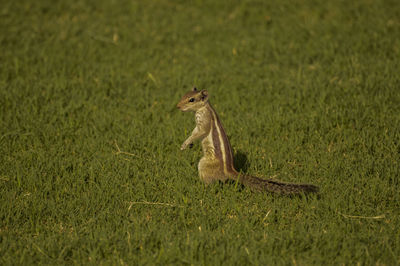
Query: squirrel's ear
204,95
194,89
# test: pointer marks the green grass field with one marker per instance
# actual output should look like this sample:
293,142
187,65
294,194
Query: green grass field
90,166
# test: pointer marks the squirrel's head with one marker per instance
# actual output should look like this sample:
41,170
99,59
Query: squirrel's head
193,100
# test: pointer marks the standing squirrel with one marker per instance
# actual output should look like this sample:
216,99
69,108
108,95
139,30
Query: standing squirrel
217,162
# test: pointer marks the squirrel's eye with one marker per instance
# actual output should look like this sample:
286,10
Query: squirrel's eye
191,100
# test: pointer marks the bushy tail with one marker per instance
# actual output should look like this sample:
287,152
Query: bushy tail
268,185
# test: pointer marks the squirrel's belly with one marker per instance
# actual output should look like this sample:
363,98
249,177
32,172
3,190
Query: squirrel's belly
208,146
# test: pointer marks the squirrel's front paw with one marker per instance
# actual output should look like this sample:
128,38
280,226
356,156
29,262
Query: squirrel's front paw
185,144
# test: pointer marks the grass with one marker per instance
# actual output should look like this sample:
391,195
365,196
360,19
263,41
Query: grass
90,166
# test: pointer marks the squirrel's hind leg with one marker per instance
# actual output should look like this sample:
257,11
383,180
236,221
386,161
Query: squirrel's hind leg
210,171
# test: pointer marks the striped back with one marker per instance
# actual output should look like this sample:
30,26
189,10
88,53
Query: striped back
223,150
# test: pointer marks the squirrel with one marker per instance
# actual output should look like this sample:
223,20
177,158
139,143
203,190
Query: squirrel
217,161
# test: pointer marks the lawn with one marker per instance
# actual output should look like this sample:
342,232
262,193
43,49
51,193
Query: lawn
90,166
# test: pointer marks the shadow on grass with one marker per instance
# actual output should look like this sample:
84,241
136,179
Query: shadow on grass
240,162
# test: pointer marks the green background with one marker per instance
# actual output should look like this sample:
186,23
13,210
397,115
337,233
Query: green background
90,166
